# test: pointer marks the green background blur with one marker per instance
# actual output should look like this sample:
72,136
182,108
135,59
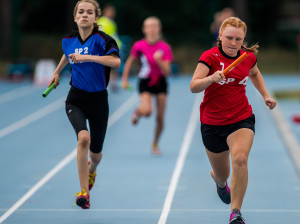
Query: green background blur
33,29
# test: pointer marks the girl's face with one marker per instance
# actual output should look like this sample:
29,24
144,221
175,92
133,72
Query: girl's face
151,29
85,15
232,39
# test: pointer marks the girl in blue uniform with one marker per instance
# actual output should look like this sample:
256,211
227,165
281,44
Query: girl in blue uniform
91,54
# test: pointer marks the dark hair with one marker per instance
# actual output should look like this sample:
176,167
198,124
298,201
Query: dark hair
97,10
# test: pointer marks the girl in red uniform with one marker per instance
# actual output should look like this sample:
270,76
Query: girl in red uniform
227,119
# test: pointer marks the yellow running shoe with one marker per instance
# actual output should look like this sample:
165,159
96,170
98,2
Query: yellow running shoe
92,178
155,149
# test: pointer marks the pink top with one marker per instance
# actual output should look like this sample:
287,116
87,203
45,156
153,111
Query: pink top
144,52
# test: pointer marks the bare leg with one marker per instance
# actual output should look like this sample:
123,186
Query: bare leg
82,159
161,100
95,160
240,143
144,109
113,80
220,166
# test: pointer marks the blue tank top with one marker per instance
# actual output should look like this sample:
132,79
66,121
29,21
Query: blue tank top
89,76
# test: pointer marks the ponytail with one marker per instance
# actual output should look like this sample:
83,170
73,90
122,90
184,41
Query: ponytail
253,48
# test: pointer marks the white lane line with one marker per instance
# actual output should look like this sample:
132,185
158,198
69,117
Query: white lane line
33,117
158,210
124,108
286,132
13,94
194,120
288,135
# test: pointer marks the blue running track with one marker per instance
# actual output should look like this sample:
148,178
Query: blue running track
39,173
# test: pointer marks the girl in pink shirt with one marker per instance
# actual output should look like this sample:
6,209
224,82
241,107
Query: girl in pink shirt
154,57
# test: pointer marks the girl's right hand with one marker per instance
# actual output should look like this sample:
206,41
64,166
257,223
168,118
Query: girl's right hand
218,76
54,79
158,55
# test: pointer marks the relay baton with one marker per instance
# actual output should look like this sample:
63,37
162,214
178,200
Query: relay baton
49,89
235,63
128,87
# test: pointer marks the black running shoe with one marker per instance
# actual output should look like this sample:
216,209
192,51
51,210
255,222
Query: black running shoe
236,217
224,194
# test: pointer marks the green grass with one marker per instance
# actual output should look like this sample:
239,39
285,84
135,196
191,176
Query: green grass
276,60
3,66
271,60
38,46
288,94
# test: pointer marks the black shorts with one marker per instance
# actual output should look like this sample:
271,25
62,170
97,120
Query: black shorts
83,106
161,87
215,136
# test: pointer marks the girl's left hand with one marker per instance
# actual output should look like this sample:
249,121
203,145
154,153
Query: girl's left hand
77,57
270,103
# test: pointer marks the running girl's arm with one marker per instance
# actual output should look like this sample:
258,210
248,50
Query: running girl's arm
165,66
201,81
111,60
259,83
126,71
63,62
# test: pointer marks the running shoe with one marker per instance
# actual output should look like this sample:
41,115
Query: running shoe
82,200
236,217
135,117
224,193
92,178
155,149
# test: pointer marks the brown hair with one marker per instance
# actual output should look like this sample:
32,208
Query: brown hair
238,23
97,9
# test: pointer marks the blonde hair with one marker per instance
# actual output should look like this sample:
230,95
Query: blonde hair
154,18
238,23
95,4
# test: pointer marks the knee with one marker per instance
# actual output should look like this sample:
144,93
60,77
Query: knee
239,160
84,139
147,112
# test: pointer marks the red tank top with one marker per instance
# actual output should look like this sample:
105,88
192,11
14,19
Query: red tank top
226,102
